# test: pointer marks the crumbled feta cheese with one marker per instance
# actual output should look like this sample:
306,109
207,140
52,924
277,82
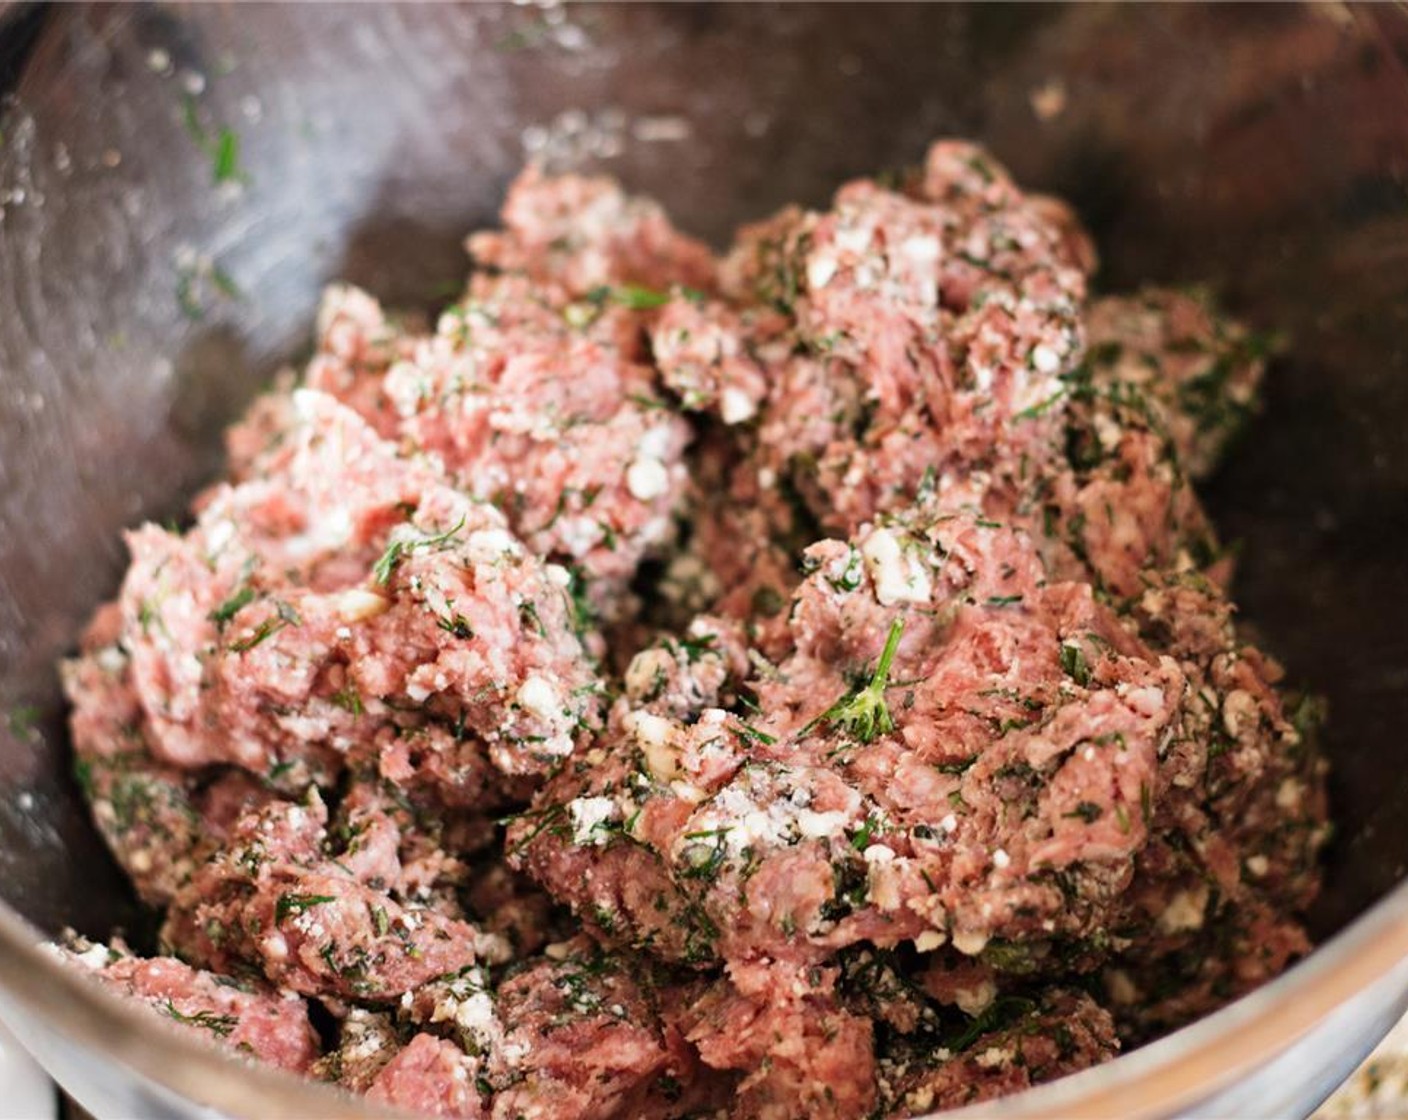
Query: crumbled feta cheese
1045,360
897,574
474,1015
854,239
487,546
1184,911
1289,794
656,443
275,948
655,736
930,940
647,479
111,659
357,604
1001,860
1258,866
736,406
1121,987
588,815
94,957
537,697
816,826
879,853
579,535
975,1000
882,877
920,249
821,267
969,943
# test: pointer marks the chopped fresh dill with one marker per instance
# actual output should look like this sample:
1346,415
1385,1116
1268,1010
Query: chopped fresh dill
232,606
284,615
1074,664
398,549
297,903
220,1025
862,713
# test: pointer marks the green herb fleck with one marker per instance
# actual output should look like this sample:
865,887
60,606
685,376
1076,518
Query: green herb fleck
284,615
751,733
1074,665
289,904
639,298
1002,1012
457,625
701,860
1087,811
862,713
226,158
860,839
232,606
397,549
23,717
348,699
220,1025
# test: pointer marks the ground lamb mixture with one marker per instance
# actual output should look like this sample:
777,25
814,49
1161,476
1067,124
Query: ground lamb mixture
793,683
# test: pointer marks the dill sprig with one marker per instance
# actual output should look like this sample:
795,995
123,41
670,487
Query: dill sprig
862,712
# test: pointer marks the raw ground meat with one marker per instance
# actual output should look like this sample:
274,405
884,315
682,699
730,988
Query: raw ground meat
798,683
250,1017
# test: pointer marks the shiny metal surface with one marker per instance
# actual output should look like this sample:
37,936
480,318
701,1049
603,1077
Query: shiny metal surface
1262,149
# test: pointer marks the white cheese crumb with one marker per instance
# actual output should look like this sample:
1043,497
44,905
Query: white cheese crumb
1184,911
1121,988
736,406
647,479
1289,794
821,267
579,535
975,1000
949,823
898,576
557,575
357,604
930,940
275,947
970,944
655,734
111,659
486,546
588,815
94,957
655,443
1239,711
1045,360
882,880
814,825
853,239
879,853
475,1015
1258,866
537,697
1001,860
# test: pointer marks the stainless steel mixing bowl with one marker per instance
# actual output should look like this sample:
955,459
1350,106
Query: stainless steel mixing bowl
143,302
